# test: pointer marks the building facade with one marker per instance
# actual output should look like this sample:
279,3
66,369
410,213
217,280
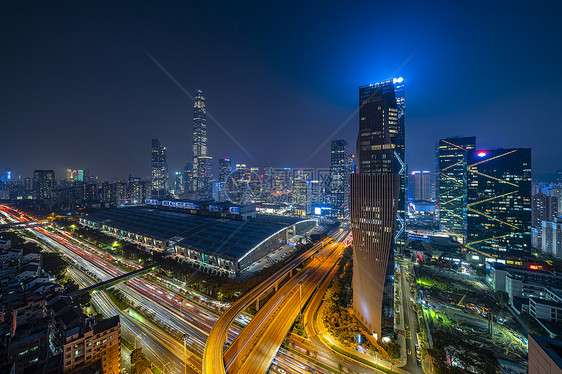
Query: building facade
499,202
202,163
451,162
340,170
419,185
545,355
43,184
378,203
552,237
159,169
204,178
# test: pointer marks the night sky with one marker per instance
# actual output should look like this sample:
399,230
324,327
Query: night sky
78,89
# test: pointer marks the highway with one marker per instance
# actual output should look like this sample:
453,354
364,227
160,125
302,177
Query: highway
161,298
411,328
314,342
256,346
213,361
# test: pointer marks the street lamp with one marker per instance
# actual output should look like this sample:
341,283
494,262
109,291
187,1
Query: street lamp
185,337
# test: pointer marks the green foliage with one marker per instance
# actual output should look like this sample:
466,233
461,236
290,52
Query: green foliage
54,264
139,362
532,325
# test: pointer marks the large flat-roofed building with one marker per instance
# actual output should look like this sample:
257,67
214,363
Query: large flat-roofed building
222,237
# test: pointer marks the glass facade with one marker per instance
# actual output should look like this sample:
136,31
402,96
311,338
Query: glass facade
499,202
159,169
451,162
200,145
378,203
340,169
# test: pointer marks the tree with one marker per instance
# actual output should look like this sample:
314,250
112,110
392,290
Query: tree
54,264
139,363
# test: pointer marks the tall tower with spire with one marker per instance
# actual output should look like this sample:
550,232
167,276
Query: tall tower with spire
202,163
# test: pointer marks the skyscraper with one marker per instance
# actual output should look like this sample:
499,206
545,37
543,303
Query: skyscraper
203,187
377,197
395,156
419,185
188,178
204,178
499,202
340,169
451,162
179,183
225,168
43,183
159,169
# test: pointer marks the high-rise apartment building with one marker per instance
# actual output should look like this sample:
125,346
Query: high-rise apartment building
27,187
451,162
544,208
378,203
340,170
159,169
43,183
499,202
419,185
552,237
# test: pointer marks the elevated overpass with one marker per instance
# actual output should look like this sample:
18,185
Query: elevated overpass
23,225
113,281
213,356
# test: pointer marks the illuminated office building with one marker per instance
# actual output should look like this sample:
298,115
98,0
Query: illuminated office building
188,178
199,149
419,185
225,168
499,202
377,202
451,162
340,169
159,169
204,178
179,183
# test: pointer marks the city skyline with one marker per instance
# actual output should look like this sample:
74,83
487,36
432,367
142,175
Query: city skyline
254,187
86,111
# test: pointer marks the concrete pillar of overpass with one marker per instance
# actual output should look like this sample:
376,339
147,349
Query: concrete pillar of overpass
258,304
286,235
276,286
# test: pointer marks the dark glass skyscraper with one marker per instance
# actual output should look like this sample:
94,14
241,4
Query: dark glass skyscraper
499,202
225,168
451,162
378,203
340,169
159,169
396,141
